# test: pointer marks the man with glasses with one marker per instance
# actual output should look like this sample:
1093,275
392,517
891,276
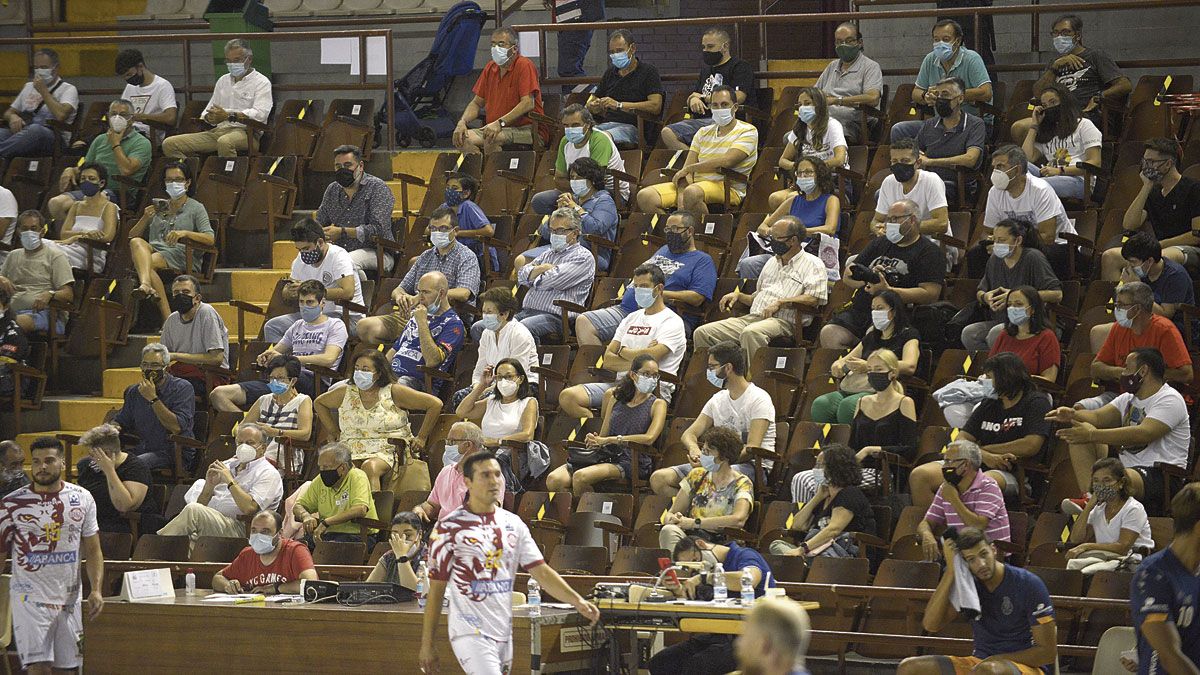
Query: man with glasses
356,210
953,138
1138,326
457,263
450,487
851,80
968,497
691,277
507,90
158,407
565,272
239,95
950,58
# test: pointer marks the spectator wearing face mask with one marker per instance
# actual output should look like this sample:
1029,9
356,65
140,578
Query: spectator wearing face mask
837,509
45,97
432,338
953,138
503,406
1059,138
12,471
629,86
502,338
450,487
94,218
950,58
356,209
580,139
196,335
597,212
653,329
283,413
712,496
270,564
814,204
719,69
122,151
885,420
472,224
852,79
156,239
1146,262
1112,529
816,134
340,495
117,480
153,97
241,94
35,274
909,180
506,91
406,551
329,265
966,497
1137,327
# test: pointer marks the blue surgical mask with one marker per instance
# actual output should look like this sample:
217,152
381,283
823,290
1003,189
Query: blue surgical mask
558,241
262,543
500,55
439,239
1140,271
620,60
893,233
573,134
236,69
818,476
1018,316
31,240
643,296
175,189
277,387
491,322
989,388
718,382
943,50
579,187
310,314
709,462
1121,314
807,113
806,184
646,384
1002,251
451,455
363,379
1063,43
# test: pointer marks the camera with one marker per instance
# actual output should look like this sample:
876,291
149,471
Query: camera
864,274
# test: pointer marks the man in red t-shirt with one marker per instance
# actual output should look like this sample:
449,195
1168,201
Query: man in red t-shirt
270,564
1137,326
508,89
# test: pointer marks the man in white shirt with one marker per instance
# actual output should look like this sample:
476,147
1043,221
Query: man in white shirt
653,329
909,181
153,97
792,281
241,486
740,405
325,262
45,97
1149,421
1018,195
8,218
240,95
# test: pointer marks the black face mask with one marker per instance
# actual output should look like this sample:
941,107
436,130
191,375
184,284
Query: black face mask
950,475
1050,115
181,303
879,381
904,172
136,80
344,177
712,58
943,107
779,246
330,477
677,242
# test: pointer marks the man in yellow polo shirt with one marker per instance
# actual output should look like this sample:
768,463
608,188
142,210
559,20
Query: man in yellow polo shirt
340,494
727,143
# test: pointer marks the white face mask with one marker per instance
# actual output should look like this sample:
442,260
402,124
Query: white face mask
118,123
722,116
245,454
175,190
1000,179
44,74
507,387
879,319
500,55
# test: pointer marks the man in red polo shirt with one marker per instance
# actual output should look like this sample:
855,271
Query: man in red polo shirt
508,89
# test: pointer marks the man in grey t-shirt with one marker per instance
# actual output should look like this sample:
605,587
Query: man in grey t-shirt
850,80
194,333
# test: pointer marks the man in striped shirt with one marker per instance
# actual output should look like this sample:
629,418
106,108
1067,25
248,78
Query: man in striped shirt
565,272
967,498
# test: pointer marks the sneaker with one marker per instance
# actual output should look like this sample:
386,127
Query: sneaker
1074,507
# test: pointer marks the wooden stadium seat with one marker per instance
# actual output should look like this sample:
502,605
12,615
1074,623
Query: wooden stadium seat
787,568
1094,623
28,178
895,615
217,549
265,204
161,547
837,613
612,503
592,528
637,561
435,185
572,559
116,545
339,553
516,169
297,124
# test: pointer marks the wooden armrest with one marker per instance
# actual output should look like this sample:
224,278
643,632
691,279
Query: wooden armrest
512,177
867,539
409,178
1091,169
1008,547
495,243
371,522
300,122
352,121
1076,240
1172,470
623,177
59,125
55,303
161,126
782,375
1048,386
436,374
69,439
548,524
1062,310
25,370
513,445
755,113
351,306
215,370
667,172
762,453
614,528
253,124
94,244
400,444
738,534
852,175
599,241
245,306
550,373
387,245
276,180
570,306
643,449
322,371
735,176
950,241
186,441
203,248
541,118
870,111
989,109
645,116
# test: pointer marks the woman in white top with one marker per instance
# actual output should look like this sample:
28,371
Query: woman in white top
284,413
1060,138
503,405
816,134
1113,525
502,338
94,219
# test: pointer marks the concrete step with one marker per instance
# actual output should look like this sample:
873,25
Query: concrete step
282,254
82,412
254,285
116,380
229,314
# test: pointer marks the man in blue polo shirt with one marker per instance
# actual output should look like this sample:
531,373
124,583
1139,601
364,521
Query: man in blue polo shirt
1165,593
432,337
949,58
706,653
1014,627
691,277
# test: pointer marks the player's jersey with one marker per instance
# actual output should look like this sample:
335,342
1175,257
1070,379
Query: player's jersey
1163,590
478,556
42,532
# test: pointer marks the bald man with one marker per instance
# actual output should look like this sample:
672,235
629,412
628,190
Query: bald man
775,639
432,337
450,486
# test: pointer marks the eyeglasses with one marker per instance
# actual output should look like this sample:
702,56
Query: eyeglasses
1065,32
562,230
846,43
441,229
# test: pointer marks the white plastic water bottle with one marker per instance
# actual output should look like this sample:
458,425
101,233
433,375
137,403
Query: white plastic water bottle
189,582
747,587
533,598
720,590
422,584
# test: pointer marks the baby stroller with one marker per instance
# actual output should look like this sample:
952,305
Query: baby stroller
419,95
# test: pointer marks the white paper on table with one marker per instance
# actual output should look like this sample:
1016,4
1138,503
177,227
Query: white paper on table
530,48
228,598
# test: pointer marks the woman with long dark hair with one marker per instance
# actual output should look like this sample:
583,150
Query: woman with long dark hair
816,134
1060,138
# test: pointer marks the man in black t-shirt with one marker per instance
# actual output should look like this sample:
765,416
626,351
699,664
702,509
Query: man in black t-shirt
1090,74
117,480
1170,202
719,69
628,86
905,262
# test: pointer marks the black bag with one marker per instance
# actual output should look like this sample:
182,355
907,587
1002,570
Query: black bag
933,323
580,458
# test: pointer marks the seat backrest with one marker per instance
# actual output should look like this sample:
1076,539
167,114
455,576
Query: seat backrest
339,553
611,503
385,501
1064,582
1115,640
537,505
583,529
573,559
116,545
637,561
217,549
161,547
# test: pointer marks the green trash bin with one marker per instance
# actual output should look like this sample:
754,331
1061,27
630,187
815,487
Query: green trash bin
240,16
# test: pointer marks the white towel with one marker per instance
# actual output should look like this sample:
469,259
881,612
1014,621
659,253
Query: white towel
963,596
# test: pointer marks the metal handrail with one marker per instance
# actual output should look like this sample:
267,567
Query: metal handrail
186,40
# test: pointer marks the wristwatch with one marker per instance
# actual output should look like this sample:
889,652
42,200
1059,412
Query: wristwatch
620,105
502,123
154,400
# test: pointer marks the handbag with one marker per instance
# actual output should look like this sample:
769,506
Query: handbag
580,458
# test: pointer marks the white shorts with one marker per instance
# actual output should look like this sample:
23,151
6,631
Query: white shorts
47,633
479,655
